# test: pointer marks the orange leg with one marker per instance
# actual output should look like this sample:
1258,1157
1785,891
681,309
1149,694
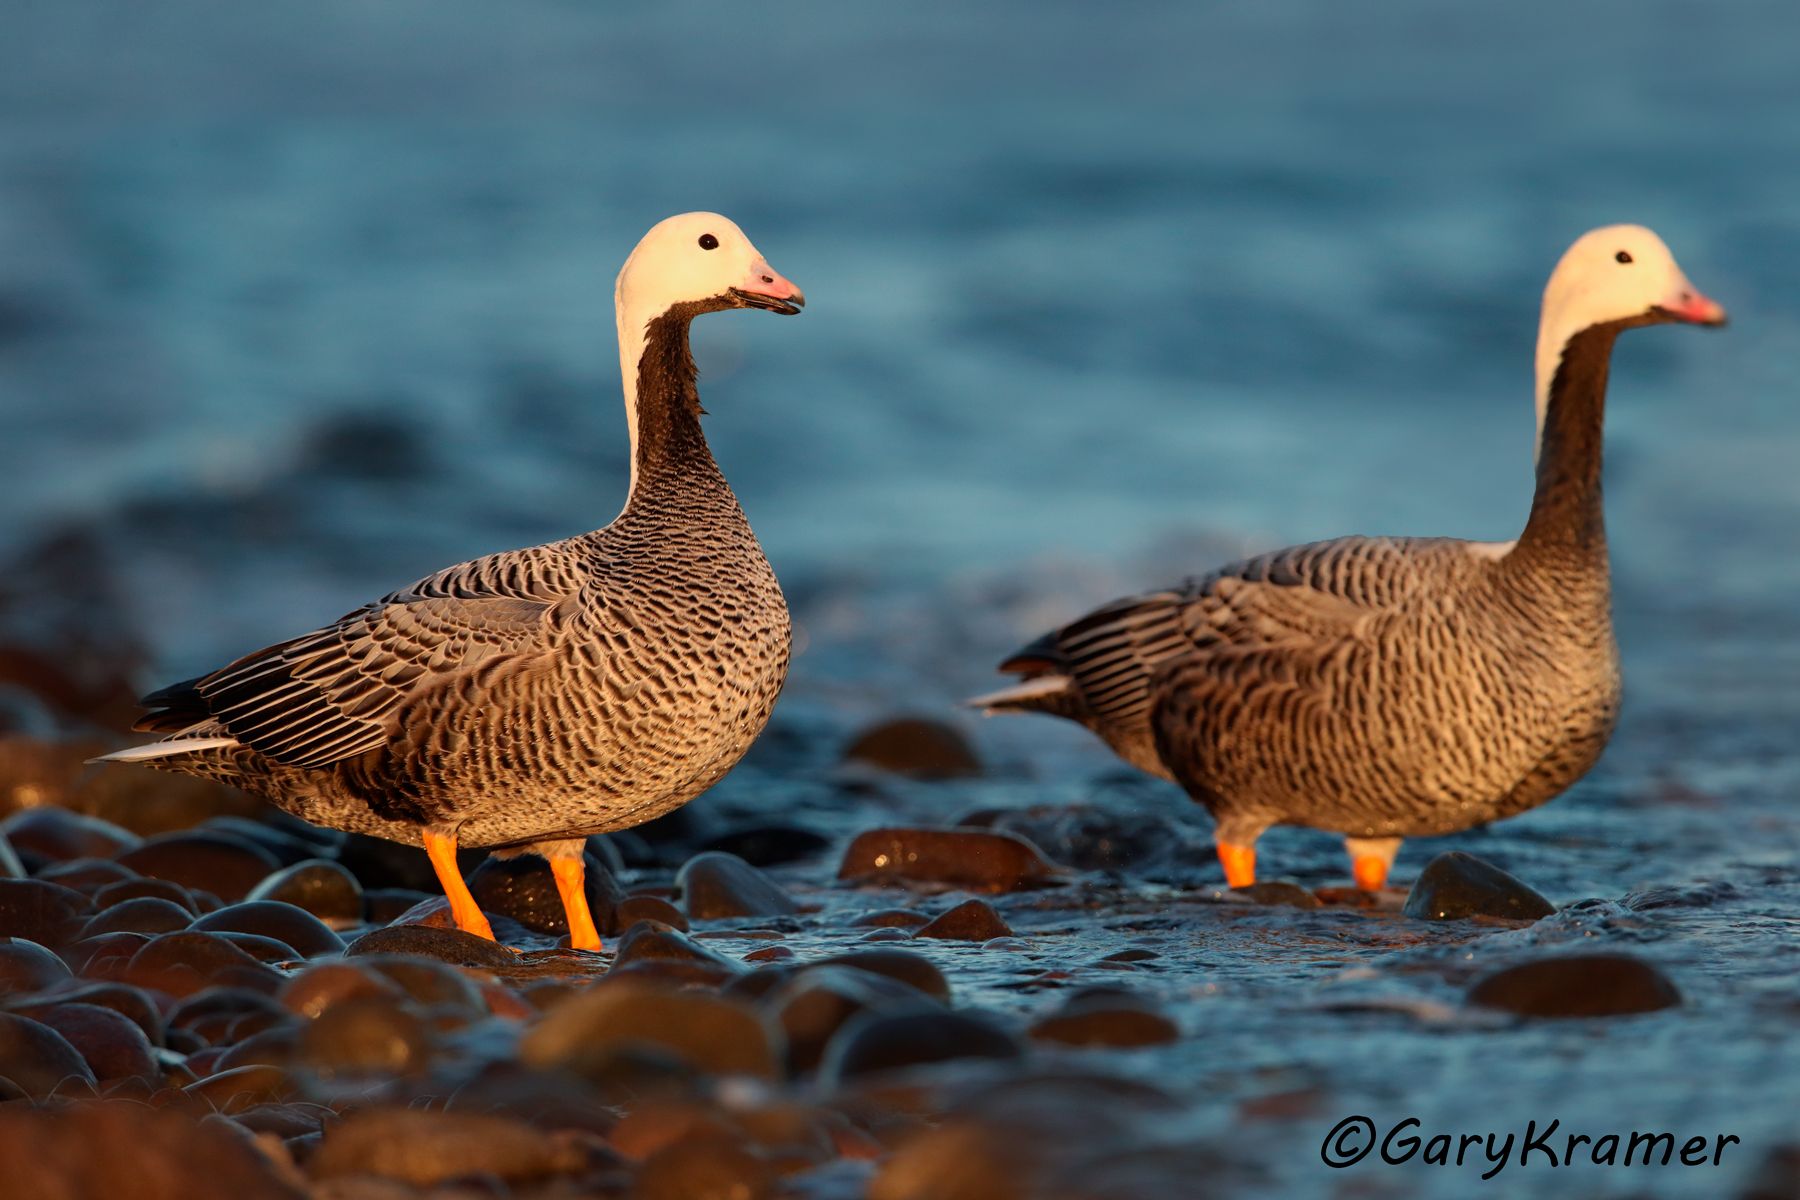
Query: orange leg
1371,872
1239,863
441,848
571,881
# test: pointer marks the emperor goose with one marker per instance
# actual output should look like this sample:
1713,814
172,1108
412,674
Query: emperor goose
1386,688
530,698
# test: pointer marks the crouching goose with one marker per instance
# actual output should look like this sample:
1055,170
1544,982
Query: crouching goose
1386,688
530,698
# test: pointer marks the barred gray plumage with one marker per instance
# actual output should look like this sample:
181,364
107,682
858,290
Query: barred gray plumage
1386,688
533,697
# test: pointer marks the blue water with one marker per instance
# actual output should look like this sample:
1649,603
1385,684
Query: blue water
300,302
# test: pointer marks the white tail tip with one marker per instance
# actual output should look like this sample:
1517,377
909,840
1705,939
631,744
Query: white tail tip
165,749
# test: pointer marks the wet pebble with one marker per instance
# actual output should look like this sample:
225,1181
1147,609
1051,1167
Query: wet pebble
1090,838
706,1168
56,834
1278,893
915,746
187,962
145,914
815,1003
966,858
323,888
710,1032
371,1036
263,949
212,1014
914,970
112,1045
446,945
633,909
427,1148
1455,885
46,913
134,1004
970,921
227,866
384,906
38,1059
647,940
1106,1017
771,845
87,875
432,985
1577,985
879,1042
131,1150
243,1087
715,884
322,985
27,967
522,888
890,918
141,888
105,955
287,847
285,923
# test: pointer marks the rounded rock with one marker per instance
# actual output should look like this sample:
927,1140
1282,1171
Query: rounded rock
38,1059
146,914
818,1001
522,887
1107,1017
655,909
1455,885
28,967
966,858
364,1036
323,985
1577,985
716,884
970,921
426,1148
323,888
45,913
712,1033
876,1043
141,888
87,875
914,970
452,946
60,834
286,923
112,1045
188,962
227,866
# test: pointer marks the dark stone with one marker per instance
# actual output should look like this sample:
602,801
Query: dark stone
287,848
880,1042
269,1045
771,845
87,875
646,940
712,1033
966,858
59,834
970,921
131,1150
113,1045
262,949
146,914
368,1035
816,1002
285,923
27,967
323,985
387,905
323,888
715,1167
1455,885
45,913
716,885
432,985
1087,837
633,909
187,962
1577,985
422,1149
226,866
1106,1017
379,863
11,867
452,946
915,746
1281,893
522,887
211,1014
38,1059
132,1003
914,970
142,889
105,955
243,1087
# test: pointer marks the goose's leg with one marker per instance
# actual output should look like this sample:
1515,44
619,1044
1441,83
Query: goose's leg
1371,859
441,849
1239,862
571,881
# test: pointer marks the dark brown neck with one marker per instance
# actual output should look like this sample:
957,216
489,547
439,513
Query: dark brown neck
671,449
1566,514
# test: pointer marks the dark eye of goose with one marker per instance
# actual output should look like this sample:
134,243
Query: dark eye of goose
709,242
1623,256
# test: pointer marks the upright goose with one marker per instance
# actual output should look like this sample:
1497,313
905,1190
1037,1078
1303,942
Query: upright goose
533,697
1386,688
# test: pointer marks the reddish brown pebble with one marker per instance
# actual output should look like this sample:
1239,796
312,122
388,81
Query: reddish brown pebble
87,875
286,923
427,1148
146,914
325,889
225,866
879,1042
28,967
141,888
816,1003
890,918
319,987
633,909
242,1087
922,748
113,1046
914,970
446,945
377,1037
707,1167
45,913
966,858
970,921
184,963
59,834
711,1032
38,1059
715,885
1577,985
1106,1017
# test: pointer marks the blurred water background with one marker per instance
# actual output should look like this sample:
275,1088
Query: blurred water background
300,302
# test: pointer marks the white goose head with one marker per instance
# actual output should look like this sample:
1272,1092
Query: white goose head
694,263
1619,275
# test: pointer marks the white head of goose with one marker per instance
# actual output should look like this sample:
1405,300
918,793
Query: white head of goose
1385,688
528,699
